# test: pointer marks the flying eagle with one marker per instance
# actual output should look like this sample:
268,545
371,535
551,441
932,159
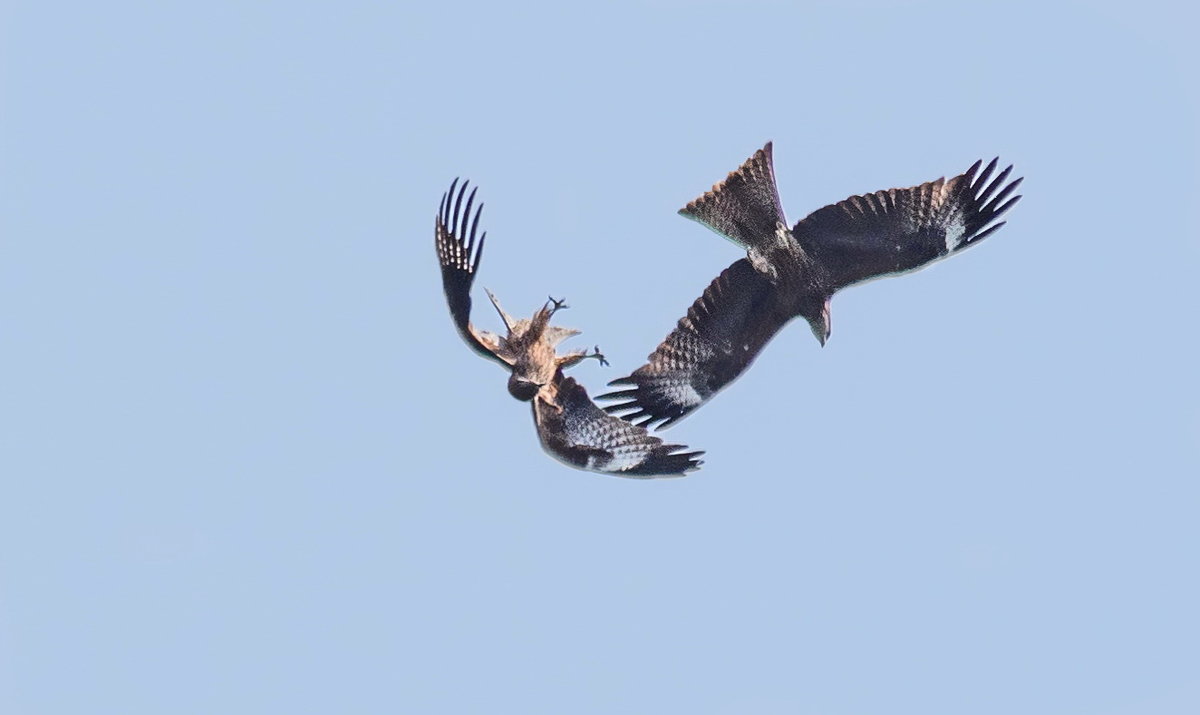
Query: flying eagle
570,426
790,272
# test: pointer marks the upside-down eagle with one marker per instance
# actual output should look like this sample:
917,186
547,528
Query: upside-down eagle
570,426
794,272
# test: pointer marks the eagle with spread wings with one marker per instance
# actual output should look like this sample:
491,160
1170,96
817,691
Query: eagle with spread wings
794,272
570,426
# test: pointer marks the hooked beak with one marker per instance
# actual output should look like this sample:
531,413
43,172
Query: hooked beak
820,327
825,321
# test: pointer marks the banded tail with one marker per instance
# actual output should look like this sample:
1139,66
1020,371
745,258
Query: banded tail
745,206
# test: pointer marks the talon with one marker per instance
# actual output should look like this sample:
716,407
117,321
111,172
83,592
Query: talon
600,356
557,303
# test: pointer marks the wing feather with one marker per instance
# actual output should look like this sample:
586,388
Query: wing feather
460,248
577,432
900,230
712,345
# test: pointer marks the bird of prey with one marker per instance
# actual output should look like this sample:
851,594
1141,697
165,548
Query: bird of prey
570,426
794,272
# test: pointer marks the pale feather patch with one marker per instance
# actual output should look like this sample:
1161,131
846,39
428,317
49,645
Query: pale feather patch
556,334
955,230
623,458
683,394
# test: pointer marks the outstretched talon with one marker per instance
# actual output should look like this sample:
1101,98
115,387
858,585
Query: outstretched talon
558,304
599,356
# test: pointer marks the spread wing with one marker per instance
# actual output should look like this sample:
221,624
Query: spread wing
577,432
716,341
459,249
900,230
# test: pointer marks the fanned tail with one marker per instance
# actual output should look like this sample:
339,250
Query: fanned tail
745,206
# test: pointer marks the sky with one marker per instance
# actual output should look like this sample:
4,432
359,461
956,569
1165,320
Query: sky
247,465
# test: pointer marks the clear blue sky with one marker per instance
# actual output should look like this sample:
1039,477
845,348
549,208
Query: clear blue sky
247,466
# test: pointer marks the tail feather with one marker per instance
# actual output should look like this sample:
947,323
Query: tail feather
745,206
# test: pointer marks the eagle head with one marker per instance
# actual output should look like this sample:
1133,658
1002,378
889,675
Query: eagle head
522,389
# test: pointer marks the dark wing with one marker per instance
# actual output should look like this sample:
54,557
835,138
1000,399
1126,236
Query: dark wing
900,230
574,430
716,341
458,253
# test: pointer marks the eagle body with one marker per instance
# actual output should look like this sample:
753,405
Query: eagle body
570,427
794,271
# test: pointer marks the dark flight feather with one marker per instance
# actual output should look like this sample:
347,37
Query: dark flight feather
716,341
901,230
459,250
577,432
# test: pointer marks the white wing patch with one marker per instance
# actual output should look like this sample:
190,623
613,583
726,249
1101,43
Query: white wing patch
955,230
682,393
623,459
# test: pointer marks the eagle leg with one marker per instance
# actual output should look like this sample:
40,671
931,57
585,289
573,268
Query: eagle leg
599,356
577,356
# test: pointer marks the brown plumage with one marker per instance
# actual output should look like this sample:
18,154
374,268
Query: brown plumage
529,347
570,426
794,272
578,433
